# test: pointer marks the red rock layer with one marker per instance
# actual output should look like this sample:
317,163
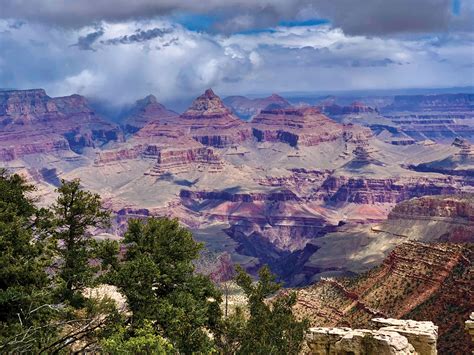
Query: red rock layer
302,126
416,281
393,190
183,160
32,122
211,123
145,111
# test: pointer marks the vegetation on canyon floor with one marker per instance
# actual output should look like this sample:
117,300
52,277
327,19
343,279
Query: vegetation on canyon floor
49,259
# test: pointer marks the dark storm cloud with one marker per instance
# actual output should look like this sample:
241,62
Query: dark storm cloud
325,57
139,36
370,17
86,42
381,17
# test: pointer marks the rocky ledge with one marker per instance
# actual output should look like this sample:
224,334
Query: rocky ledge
394,337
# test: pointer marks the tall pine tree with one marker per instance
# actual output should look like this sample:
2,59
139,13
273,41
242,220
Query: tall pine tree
25,295
76,214
157,277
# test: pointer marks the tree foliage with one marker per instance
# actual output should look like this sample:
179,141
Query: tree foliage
25,297
75,213
271,327
158,279
49,256
143,341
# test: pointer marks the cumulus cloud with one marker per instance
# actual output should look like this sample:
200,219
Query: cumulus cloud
164,58
368,17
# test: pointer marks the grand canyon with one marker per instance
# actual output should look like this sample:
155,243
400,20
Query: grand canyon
339,153
312,196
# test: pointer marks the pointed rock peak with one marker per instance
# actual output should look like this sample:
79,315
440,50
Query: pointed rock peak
210,94
208,104
151,99
276,97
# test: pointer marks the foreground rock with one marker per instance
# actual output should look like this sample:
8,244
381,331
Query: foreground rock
417,281
400,337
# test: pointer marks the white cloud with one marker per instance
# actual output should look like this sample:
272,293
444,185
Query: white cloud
163,58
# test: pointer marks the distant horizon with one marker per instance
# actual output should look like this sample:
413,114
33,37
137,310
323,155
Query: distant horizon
182,104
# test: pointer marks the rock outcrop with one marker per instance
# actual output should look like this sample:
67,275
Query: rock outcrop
211,123
32,122
246,108
416,281
176,161
397,337
303,127
442,218
145,111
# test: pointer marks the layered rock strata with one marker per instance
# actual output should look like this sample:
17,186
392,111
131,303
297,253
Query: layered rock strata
246,108
145,111
32,122
416,281
303,126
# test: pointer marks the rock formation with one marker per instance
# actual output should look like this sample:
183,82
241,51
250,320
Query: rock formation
211,123
145,111
440,102
176,161
364,190
416,281
460,163
33,123
395,337
246,108
303,126
330,108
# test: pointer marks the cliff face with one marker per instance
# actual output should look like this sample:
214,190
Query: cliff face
441,218
32,122
437,117
370,191
145,111
442,102
304,127
416,281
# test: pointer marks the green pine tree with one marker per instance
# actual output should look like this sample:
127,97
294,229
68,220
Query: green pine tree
25,295
76,214
271,327
157,277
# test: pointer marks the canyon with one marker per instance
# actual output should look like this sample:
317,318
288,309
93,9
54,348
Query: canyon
264,190
340,197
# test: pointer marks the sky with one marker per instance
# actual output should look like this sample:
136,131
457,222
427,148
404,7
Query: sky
119,51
